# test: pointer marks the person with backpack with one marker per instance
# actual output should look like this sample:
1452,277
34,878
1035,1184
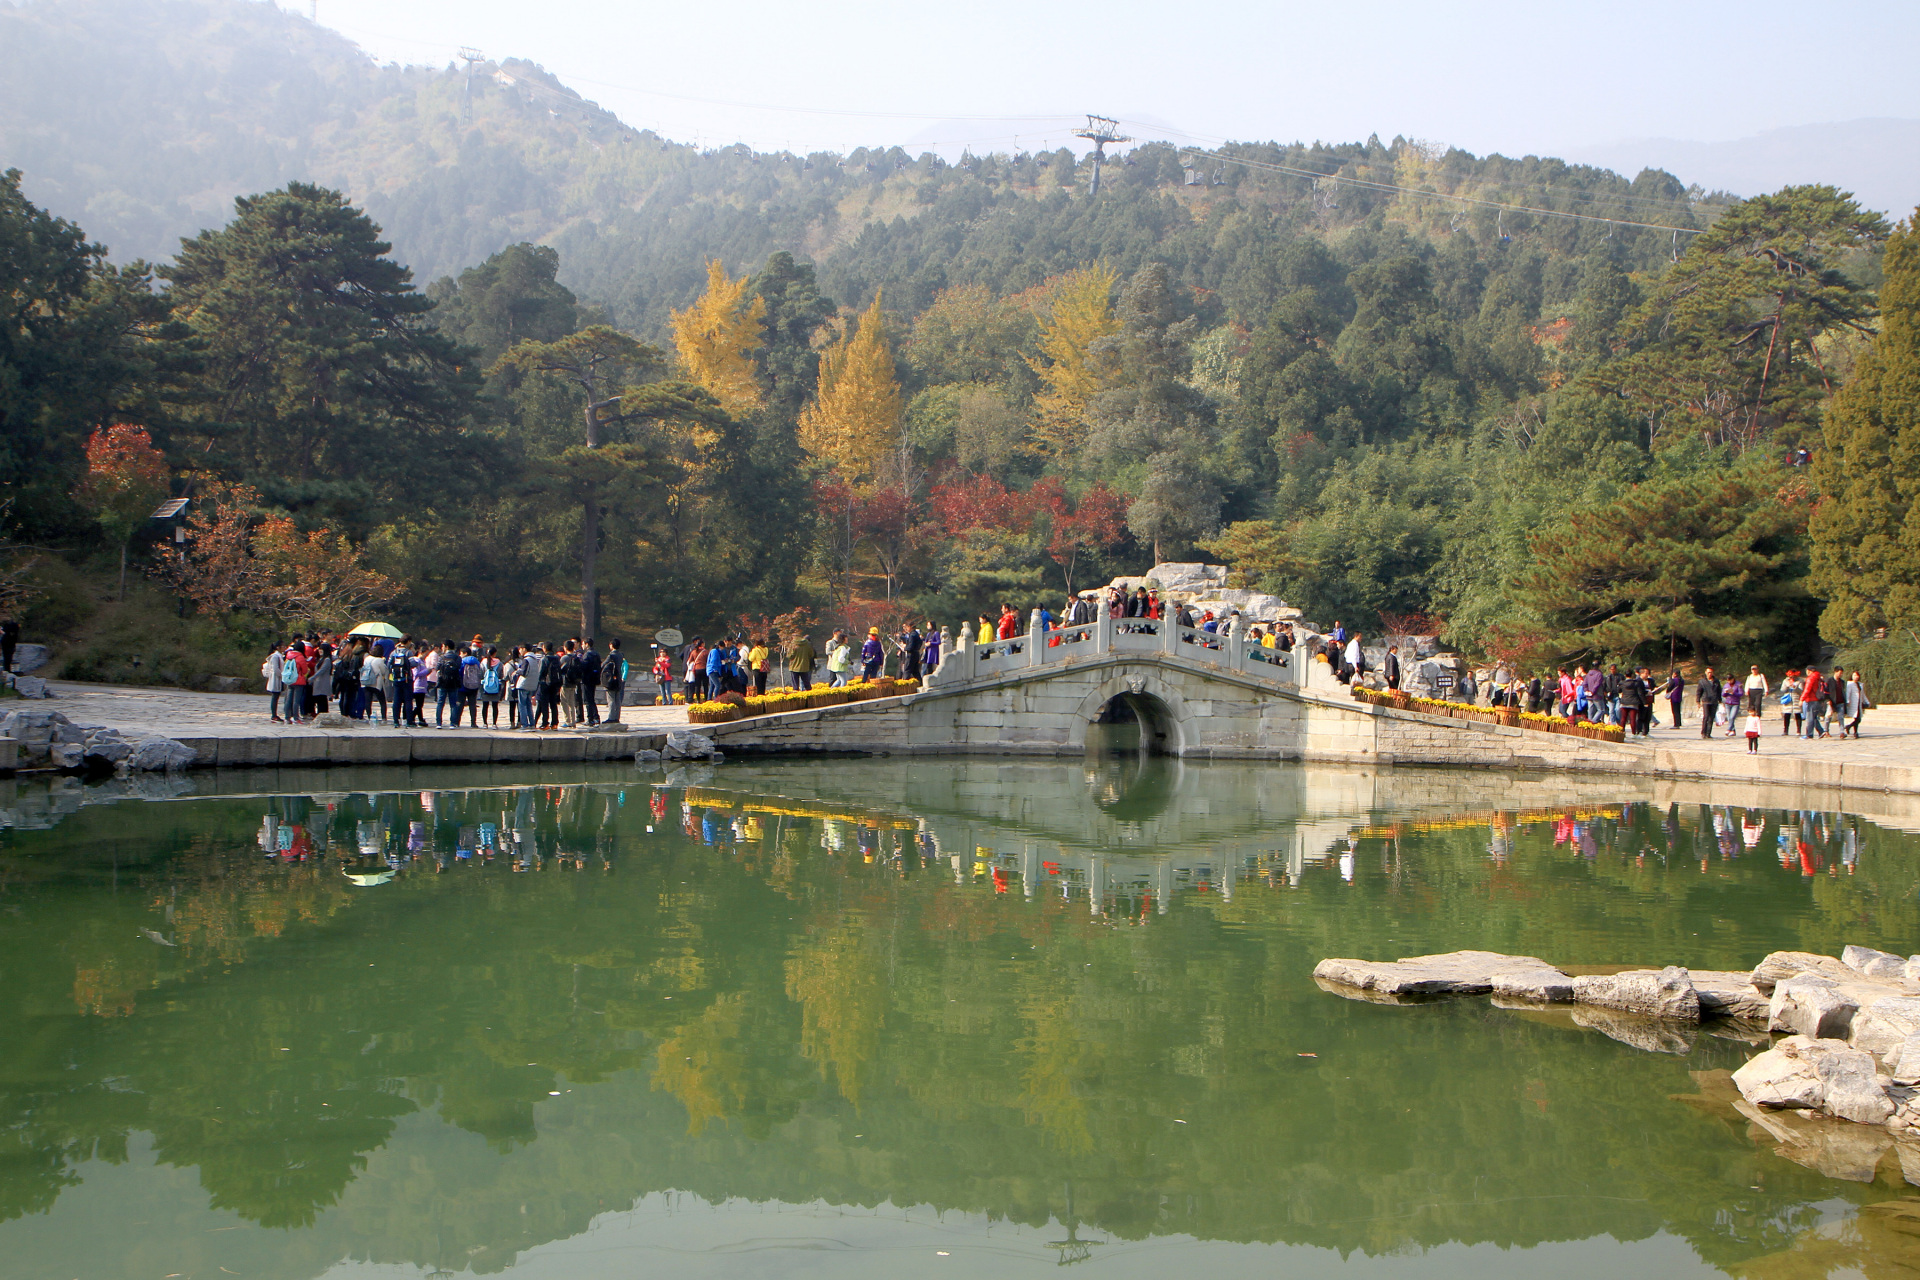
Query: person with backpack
293,676
547,696
493,685
613,678
588,664
446,677
472,671
527,685
272,670
400,679
717,670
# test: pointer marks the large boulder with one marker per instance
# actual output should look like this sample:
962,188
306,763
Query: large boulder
67,755
31,687
1855,1090
160,753
1656,993
28,658
1185,576
1452,973
1881,966
1809,1005
1785,1076
1882,1025
1903,1061
685,744
1781,965
33,730
1729,995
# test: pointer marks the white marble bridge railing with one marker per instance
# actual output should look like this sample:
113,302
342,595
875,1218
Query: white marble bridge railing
1037,649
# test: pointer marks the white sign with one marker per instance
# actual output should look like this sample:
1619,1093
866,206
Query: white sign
668,637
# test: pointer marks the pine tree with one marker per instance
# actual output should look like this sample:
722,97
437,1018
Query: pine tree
1866,527
855,421
1081,315
717,337
1679,558
1729,338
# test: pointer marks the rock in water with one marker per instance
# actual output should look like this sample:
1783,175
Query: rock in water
1785,1075
160,753
646,756
1855,1090
1903,1061
1664,993
1809,1005
1781,965
1729,995
1453,973
685,744
1881,966
1884,1024
67,755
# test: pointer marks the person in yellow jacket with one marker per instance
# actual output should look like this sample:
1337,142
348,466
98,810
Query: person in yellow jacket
759,662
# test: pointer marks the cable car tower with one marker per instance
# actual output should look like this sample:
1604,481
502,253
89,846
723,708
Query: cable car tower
470,56
1100,131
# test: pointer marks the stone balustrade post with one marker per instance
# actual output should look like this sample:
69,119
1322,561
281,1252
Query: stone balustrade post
1169,632
1102,630
1036,640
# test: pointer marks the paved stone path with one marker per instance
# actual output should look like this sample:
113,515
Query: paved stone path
183,713
1889,735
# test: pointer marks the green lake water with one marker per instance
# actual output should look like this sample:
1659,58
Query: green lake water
884,1017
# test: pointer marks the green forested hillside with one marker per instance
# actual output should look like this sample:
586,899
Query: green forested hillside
1553,409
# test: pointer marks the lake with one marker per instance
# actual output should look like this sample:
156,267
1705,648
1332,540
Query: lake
850,1017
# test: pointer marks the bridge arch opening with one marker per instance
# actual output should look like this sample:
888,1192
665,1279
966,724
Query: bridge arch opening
1136,722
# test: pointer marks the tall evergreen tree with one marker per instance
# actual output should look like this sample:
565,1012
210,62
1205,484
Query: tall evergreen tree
1728,339
514,296
317,357
1866,526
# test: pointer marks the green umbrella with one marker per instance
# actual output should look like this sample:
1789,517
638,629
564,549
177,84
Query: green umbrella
378,630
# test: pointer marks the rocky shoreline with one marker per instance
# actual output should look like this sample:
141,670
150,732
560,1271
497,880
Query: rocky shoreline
1851,1049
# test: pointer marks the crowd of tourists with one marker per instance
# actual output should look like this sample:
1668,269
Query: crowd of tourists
543,686
1811,704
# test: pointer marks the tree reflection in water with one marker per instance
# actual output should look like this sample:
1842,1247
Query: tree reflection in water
963,984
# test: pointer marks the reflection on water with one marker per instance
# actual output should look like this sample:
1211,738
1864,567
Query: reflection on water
1054,1011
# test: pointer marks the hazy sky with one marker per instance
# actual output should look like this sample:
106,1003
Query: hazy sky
1512,77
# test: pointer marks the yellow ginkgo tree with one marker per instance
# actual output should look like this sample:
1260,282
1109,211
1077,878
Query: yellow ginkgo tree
1071,371
855,420
717,336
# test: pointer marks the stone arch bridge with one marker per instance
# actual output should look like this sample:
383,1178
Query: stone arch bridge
1194,694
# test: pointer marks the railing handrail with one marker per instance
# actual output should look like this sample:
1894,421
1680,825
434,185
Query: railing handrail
1039,646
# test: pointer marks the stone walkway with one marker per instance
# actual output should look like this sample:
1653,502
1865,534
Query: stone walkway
1889,736
183,713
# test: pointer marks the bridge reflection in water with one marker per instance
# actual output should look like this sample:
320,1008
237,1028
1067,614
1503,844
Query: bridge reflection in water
543,1016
